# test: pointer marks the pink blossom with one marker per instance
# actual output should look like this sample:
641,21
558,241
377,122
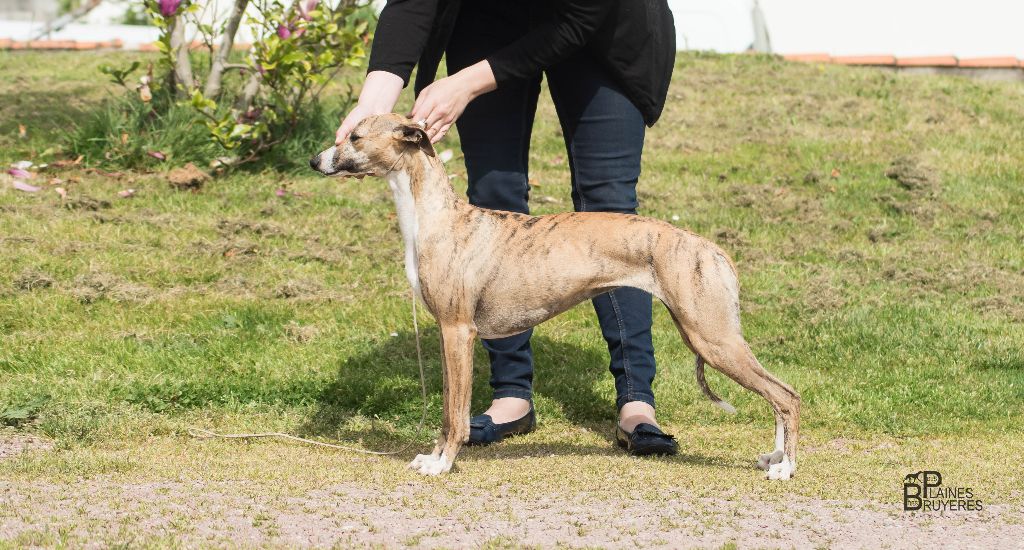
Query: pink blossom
283,32
22,186
310,6
19,173
169,7
251,115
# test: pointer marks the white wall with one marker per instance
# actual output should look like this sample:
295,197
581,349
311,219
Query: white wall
719,25
965,28
100,25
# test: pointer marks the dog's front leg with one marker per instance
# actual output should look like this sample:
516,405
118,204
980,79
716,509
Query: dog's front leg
457,348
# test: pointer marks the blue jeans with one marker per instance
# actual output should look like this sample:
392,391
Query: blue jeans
604,138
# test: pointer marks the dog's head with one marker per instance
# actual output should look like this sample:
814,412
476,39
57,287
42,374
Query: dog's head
374,148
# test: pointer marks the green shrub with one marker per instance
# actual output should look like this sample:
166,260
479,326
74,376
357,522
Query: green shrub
217,106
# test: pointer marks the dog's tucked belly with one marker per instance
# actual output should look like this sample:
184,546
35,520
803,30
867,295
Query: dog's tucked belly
498,318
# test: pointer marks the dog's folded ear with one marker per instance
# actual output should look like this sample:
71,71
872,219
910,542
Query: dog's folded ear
415,134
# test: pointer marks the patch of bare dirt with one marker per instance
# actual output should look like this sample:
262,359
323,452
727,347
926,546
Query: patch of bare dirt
235,227
728,236
187,178
85,202
12,445
913,174
813,177
239,249
317,255
299,289
99,285
1010,306
882,233
299,333
32,279
923,183
953,275
237,514
777,203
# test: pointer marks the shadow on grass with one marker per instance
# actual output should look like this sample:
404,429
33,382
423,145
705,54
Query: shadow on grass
381,383
43,110
375,400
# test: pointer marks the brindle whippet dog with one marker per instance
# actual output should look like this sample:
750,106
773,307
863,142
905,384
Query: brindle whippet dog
494,274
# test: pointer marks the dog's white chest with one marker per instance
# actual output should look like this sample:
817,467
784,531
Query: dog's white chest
402,190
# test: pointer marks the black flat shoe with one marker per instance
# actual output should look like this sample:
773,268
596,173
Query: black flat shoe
483,430
646,439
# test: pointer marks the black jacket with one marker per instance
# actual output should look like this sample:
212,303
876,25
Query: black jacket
634,39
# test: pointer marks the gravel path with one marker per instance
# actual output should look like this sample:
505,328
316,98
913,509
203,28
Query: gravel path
252,509
101,512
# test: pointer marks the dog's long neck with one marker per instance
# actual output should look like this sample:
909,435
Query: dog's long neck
424,200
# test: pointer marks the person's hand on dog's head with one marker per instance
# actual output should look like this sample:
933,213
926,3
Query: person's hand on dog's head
379,94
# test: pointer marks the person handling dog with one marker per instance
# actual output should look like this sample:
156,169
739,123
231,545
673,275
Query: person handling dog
608,65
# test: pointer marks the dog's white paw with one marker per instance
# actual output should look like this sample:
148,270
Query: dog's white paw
429,465
419,461
782,470
766,460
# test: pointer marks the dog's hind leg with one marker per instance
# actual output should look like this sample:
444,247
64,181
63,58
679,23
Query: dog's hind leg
699,369
711,327
457,349
733,358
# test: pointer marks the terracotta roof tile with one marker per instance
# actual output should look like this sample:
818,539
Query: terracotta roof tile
43,45
924,61
865,60
991,62
808,57
929,61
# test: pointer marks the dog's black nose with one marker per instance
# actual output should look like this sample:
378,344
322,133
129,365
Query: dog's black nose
314,162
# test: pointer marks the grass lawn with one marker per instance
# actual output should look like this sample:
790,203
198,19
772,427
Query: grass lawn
894,305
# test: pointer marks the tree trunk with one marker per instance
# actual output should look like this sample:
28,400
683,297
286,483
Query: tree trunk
252,87
182,64
217,68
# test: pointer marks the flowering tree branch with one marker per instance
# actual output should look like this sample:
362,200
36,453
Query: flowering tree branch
220,60
183,80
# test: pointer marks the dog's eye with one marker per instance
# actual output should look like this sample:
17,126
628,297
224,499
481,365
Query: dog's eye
353,138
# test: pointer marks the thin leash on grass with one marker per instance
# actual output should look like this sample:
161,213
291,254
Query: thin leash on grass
200,433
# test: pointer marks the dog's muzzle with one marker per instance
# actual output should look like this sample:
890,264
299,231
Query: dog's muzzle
347,168
317,163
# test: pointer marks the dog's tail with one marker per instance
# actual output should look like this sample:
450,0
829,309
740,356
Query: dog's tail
699,371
